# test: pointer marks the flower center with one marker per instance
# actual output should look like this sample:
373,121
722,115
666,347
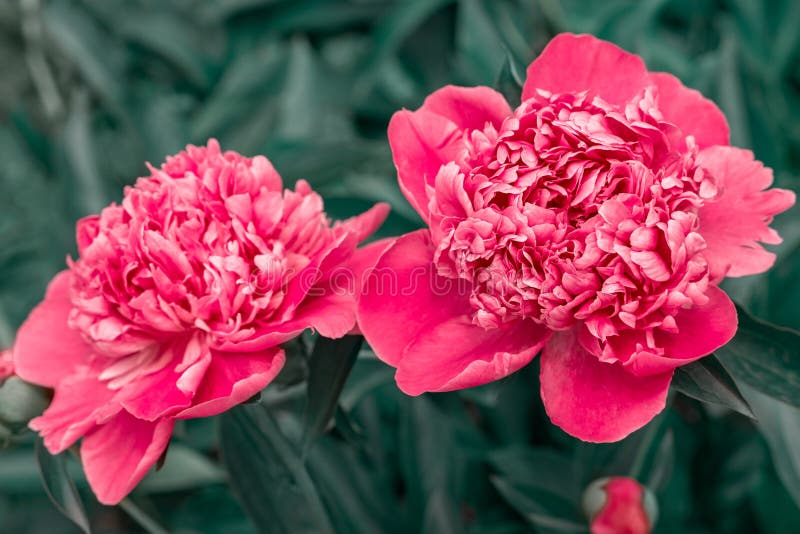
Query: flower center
575,211
206,249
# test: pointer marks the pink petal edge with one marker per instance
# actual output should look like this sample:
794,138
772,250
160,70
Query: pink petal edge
596,401
46,349
575,63
736,224
119,453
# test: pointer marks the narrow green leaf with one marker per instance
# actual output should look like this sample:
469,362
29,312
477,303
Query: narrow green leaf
100,59
707,380
268,475
764,356
184,469
368,503
509,82
540,509
780,425
663,462
78,145
540,467
441,514
329,366
60,487
391,32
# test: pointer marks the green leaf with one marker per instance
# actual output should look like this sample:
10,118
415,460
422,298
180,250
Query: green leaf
368,374
509,82
100,59
391,32
368,503
780,425
78,145
707,380
268,475
60,487
184,468
541,509
764,356
329,367
176,38
541,467
663,464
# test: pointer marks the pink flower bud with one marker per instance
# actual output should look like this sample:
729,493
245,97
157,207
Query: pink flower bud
619,505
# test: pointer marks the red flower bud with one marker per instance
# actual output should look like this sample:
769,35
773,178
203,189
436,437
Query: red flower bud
619,505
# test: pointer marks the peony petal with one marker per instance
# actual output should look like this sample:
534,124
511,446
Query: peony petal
274,335
232,378
80,402
403,296
575,63
46,349
365,224
690,111
363,262
734,225
333,312
592,400
701,331
164,392
423,140
458,354
469,108
119,453
421,143
421,323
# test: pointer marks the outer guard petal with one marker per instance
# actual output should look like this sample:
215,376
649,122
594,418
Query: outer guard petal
592,400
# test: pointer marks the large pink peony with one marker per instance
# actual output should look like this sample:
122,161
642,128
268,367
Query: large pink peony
594,222
177,305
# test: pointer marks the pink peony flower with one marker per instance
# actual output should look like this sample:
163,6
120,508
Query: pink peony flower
594,222
177,305
620,505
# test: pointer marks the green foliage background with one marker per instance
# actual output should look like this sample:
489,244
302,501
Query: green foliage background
92,89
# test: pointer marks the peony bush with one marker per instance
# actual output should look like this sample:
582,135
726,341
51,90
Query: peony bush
557,327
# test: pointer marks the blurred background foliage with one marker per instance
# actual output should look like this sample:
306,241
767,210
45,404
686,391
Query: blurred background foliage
92,89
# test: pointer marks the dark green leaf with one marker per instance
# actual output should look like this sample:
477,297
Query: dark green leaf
100,60
780,425
359,499
543,468
184,468
764,356
59,486
706,380
541,509
329,367
509,82
392,31
663,463
268,475
369,373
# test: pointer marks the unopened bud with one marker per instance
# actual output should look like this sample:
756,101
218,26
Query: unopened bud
619,505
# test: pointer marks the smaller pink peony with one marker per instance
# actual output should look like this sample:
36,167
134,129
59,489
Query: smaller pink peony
177,305
594,222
